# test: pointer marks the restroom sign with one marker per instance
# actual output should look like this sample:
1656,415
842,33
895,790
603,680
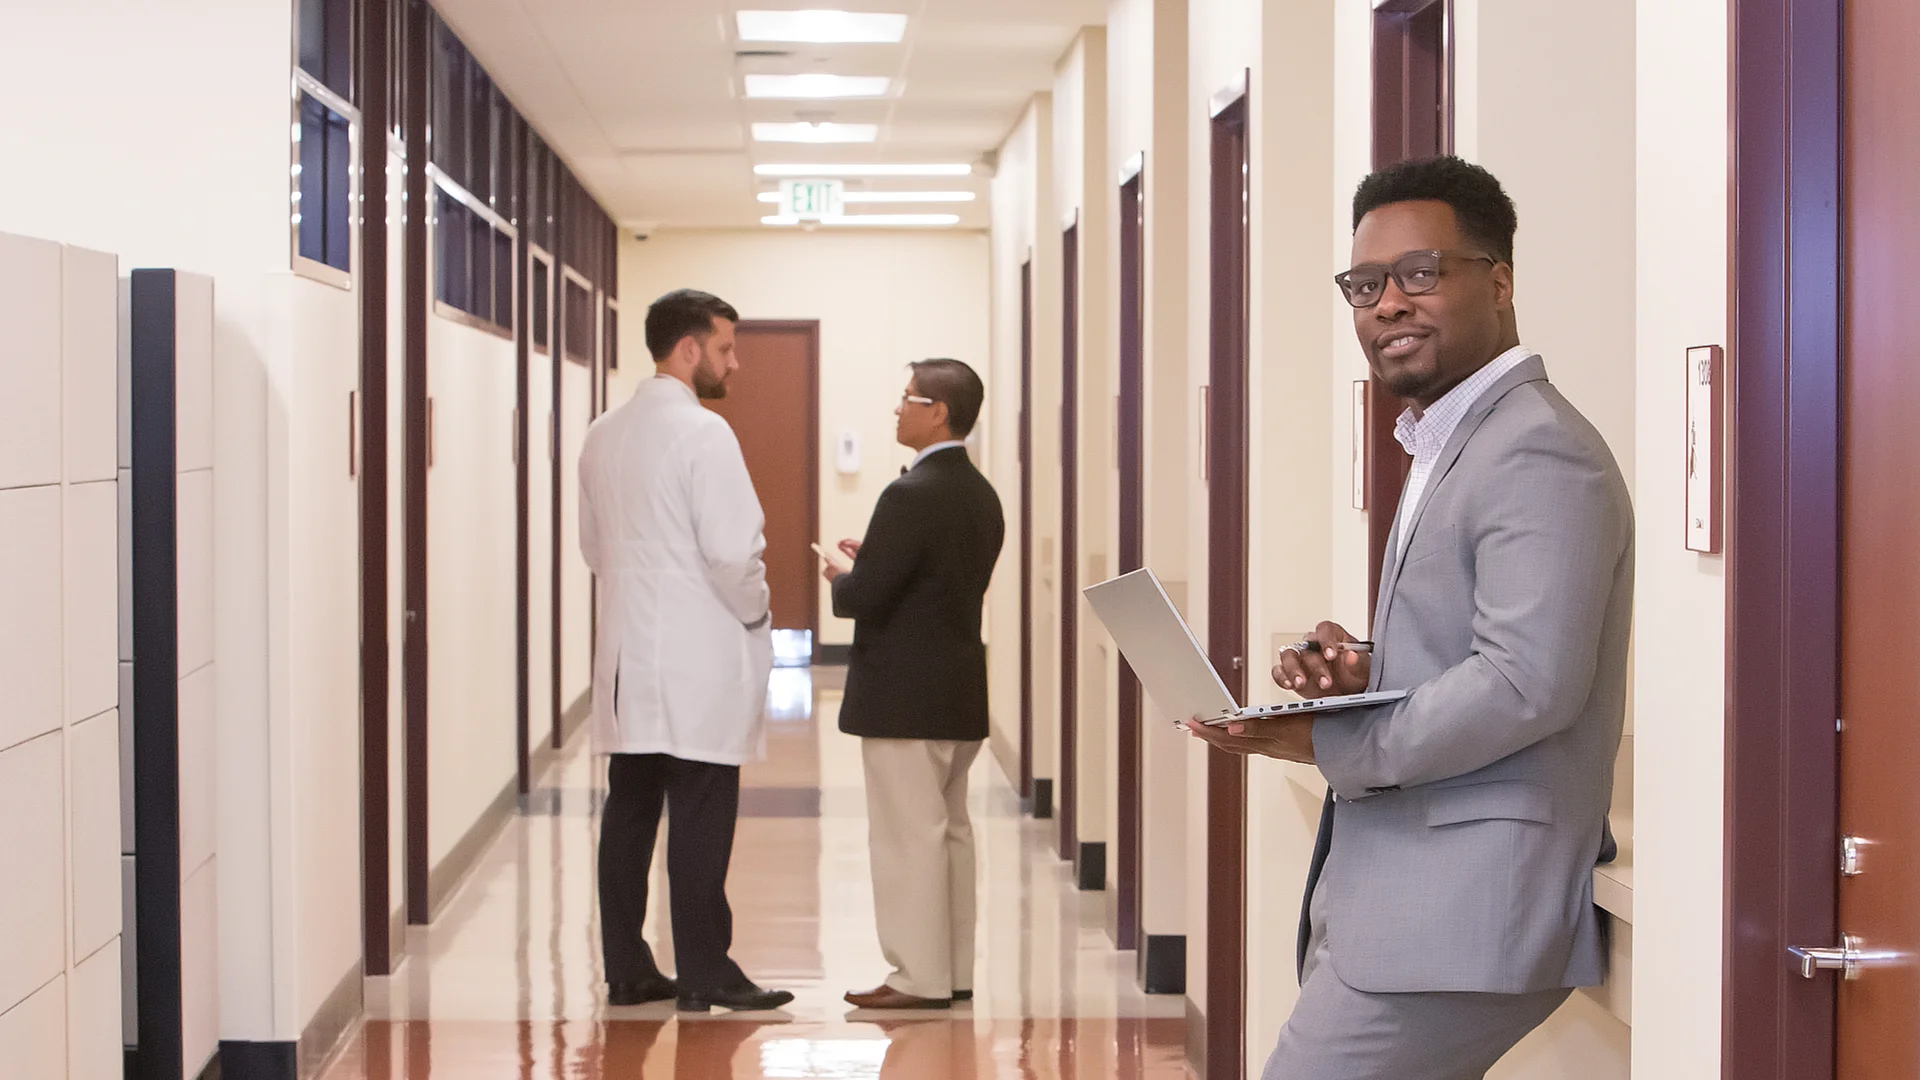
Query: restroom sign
812,199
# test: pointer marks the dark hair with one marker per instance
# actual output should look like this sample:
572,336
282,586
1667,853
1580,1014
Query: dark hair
680,313
954,385
1484,212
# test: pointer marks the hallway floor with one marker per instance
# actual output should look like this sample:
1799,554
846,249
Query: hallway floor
507,983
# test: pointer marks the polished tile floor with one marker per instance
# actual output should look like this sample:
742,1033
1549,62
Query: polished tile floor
507,984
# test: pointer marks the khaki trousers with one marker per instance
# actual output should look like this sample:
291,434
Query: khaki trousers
921,842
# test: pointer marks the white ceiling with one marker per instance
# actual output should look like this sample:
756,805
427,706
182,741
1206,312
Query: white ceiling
644,98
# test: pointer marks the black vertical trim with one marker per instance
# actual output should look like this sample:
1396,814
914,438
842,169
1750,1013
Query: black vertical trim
160,1040
1027,791
1069,834
522,469
1163,963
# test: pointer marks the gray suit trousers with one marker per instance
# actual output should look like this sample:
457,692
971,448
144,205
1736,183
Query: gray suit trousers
1339,1033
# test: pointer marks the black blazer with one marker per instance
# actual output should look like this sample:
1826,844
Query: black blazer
918,669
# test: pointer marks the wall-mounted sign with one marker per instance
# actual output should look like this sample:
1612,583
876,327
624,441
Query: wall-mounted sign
1705,364
812,199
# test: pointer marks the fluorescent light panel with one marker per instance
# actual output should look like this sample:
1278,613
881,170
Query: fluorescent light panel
816,85
870,219
816,133
826,171
821,27
891,196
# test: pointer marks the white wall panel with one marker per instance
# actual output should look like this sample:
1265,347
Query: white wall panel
92,602
576,582
90,316
93,769
29,612
198,799
199,968
33,1034
95,1047
193,372
194,500
32,851
29,362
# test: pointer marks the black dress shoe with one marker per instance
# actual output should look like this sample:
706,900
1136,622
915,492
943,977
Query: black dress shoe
658,988
748,998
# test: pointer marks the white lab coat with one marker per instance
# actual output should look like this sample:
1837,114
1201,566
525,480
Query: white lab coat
672,529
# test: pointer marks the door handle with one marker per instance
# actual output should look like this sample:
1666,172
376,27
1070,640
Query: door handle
1239,662
1845,959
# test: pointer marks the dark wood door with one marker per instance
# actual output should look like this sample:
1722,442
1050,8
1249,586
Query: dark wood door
1226,452
1412,118
773,404
1026,530
1070,545
1879,1012
1132,463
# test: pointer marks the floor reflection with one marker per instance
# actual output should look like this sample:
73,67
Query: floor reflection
507,982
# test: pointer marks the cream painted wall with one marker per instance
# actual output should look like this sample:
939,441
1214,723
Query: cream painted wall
1682,247
883,300
576,581
1022,197
1084,194
206,191
1148,117
471,585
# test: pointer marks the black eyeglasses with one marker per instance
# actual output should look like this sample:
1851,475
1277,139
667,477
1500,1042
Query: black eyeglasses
1416,272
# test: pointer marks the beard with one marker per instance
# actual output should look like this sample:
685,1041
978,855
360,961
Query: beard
708,383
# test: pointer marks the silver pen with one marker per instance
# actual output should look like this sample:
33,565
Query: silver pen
1314,646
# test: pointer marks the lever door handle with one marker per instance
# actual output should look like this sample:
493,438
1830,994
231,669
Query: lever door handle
1845,959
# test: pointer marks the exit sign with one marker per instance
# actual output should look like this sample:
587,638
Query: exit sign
812,198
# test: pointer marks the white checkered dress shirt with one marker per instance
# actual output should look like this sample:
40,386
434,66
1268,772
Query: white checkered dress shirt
1425,435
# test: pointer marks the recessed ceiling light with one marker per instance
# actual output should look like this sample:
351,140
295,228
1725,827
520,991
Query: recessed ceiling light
891,196
815,85
825,171
870,219
816,133
822,27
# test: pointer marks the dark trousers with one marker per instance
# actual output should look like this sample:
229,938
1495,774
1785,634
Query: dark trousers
703,801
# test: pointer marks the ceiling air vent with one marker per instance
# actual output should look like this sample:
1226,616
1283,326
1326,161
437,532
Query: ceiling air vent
761,54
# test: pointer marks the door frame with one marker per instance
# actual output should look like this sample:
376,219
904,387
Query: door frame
1229,213
415,414
811,328
1128,873
1783,539
1403,66
1026,533
1069,824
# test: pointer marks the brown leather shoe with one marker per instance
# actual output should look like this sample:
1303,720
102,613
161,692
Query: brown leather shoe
886,997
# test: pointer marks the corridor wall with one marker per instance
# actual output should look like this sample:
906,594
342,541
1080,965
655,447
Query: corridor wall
61,803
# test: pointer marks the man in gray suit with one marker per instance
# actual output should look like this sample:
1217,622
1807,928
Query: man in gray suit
1450,903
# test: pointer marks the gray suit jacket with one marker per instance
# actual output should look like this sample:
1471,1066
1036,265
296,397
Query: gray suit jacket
1468,817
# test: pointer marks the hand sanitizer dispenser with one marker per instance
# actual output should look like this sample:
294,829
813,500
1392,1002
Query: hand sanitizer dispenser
847,453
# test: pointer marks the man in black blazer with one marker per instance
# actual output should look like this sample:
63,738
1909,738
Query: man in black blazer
917,687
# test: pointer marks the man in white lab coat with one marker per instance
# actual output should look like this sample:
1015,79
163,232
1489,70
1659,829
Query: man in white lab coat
672,529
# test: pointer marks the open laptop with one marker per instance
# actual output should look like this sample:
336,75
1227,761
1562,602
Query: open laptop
1173,668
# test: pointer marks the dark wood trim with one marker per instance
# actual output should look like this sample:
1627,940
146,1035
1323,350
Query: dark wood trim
1027,643
1783,564
811,328
1069,573
1412,118
562,243
376,886
419,295
1131,781
153,333
1227,588
522,470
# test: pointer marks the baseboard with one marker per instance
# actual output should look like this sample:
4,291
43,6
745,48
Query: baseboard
1042,798
445,878
833,655
1091,862
1196,1039
331,1023
255,1061
1163,963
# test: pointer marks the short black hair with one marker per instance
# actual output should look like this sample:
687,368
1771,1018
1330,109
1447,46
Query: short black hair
954,385
680,313
1480,206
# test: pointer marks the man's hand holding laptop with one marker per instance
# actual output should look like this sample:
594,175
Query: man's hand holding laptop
1329,663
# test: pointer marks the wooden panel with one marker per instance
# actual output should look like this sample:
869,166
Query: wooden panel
1131,419
1026,530
1068,834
